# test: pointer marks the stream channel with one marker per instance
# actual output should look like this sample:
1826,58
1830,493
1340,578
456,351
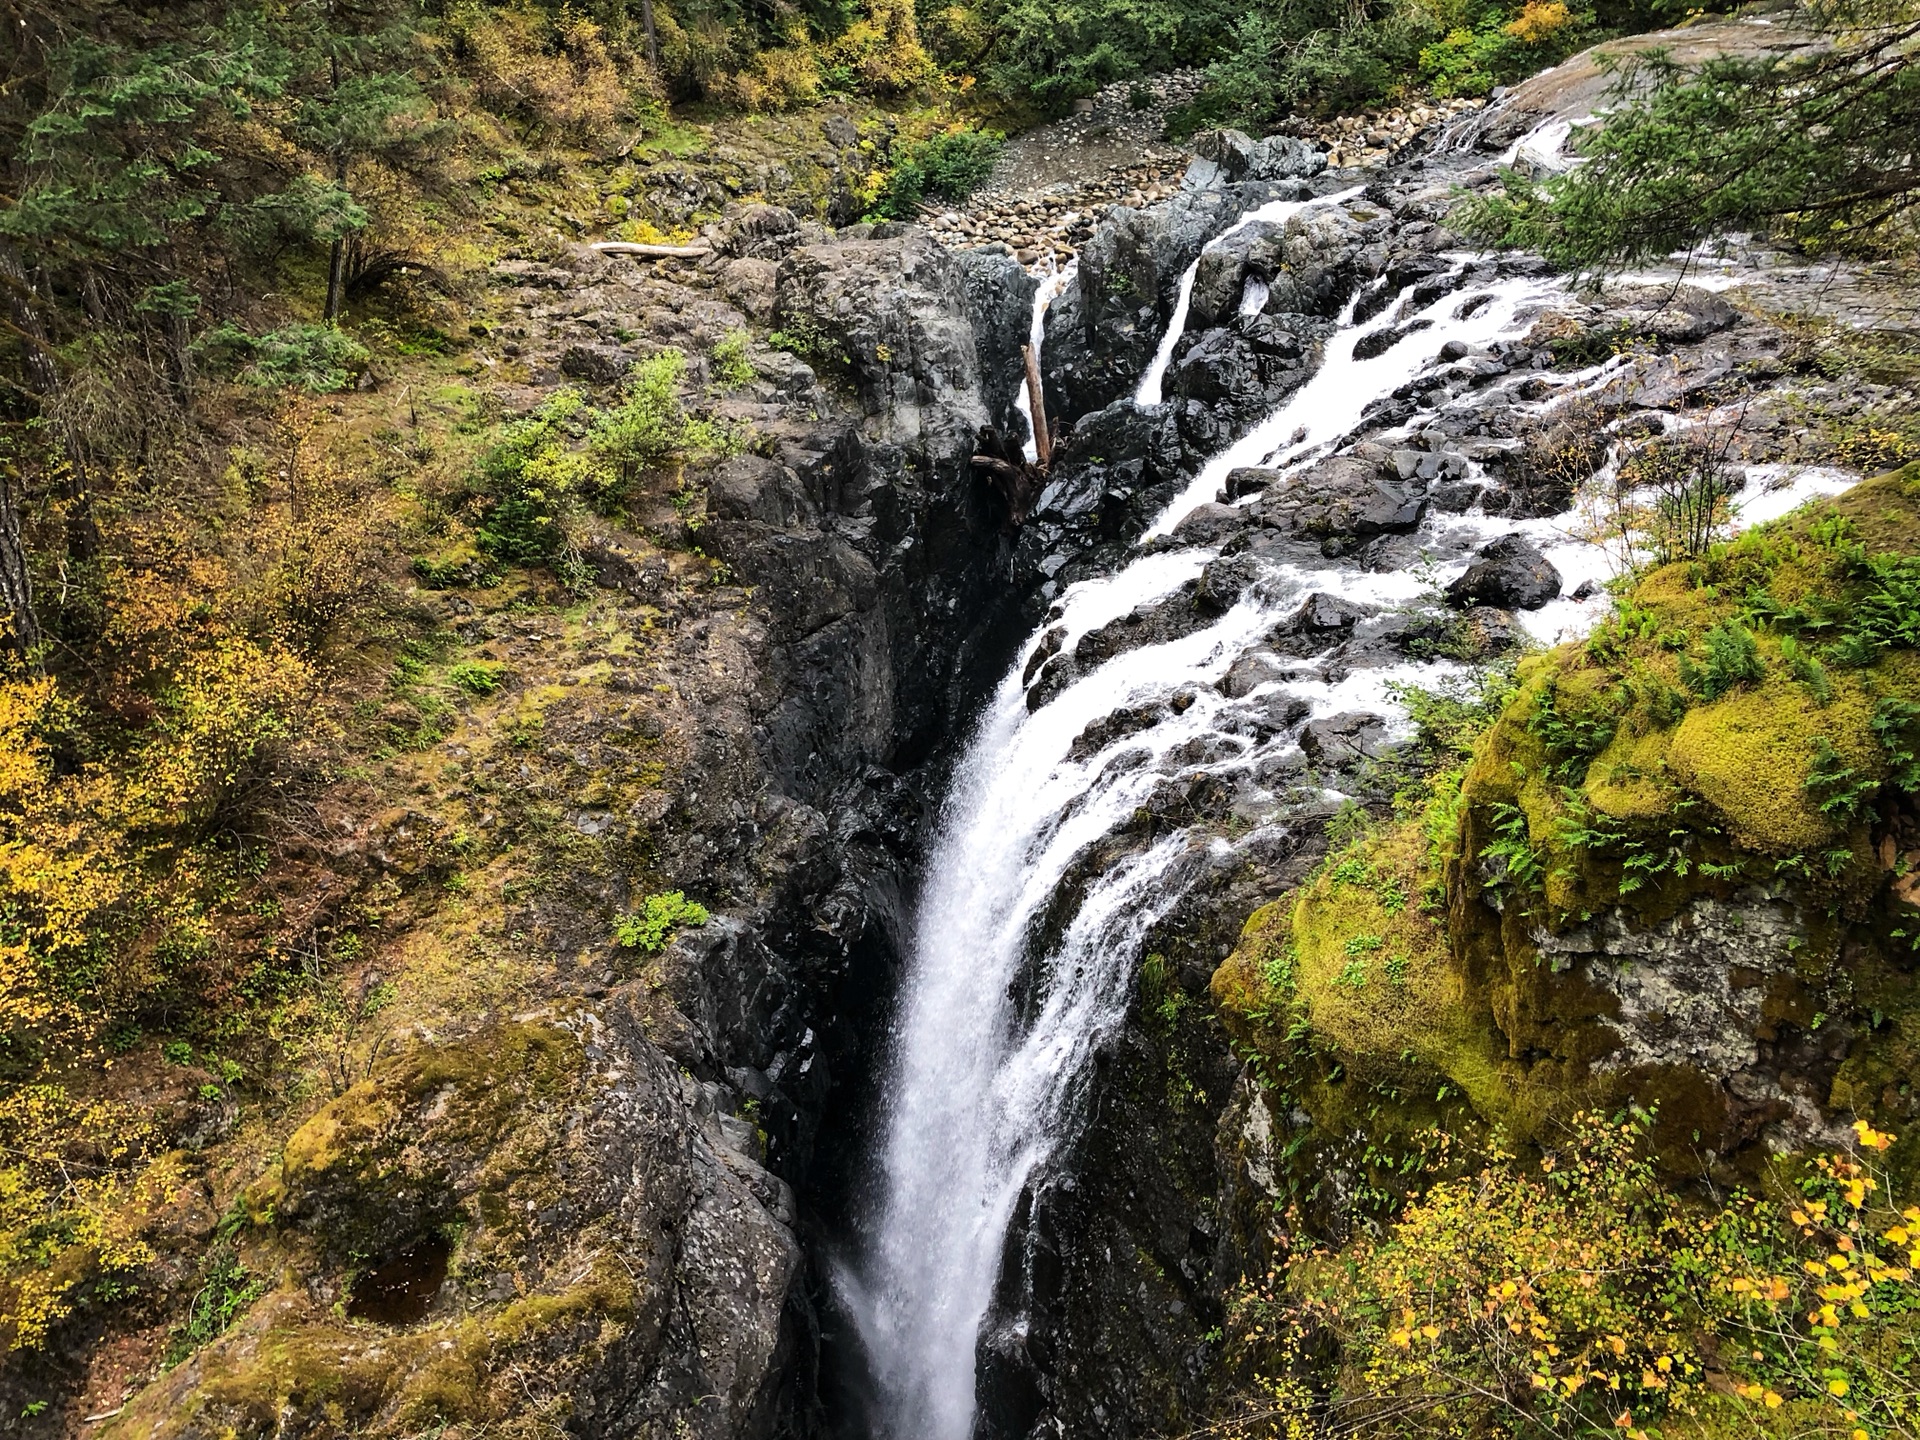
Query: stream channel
1007,994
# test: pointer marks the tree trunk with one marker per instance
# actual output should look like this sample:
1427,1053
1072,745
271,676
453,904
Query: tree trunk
653,40
18,629
1037,403
337,268
43,373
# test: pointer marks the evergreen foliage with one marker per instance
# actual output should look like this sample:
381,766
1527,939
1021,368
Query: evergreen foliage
1813,144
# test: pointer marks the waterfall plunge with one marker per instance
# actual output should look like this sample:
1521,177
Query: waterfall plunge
983,1091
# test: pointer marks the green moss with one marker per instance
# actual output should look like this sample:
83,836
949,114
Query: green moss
1749,756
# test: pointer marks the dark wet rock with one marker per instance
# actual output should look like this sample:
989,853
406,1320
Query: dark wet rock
1225,375
1153,624
1455,497
1117,726
596,364
1378,342
1211,524
1000,305
1251,671
1508,573
1277,713
1342,498
1321,622
1342,741
1103,330
754,487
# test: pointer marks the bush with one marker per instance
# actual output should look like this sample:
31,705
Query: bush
947,166
1583,1297
319,359
731,366
649,429
530,480
659,917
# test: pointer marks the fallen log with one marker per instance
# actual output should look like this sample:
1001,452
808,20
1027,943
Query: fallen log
1016,479
651,252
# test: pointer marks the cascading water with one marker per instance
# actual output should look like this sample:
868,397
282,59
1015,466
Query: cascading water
997,1024
1273,212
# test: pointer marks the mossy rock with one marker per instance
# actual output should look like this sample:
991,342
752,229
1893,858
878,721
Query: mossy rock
610,1267
390,1159
1630,790
1749,756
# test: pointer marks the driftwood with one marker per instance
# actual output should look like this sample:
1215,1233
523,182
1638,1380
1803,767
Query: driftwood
1019,480
651,252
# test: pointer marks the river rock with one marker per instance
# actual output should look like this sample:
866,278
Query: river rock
1234,381
1508,573
1339,499
1342,741
1321,622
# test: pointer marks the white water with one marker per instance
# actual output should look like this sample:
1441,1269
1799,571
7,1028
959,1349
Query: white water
1274,211
997,1027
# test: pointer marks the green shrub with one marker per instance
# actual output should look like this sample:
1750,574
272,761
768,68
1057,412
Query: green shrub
731,367
319,359
947,166
649,428
649,928
477,677
530,480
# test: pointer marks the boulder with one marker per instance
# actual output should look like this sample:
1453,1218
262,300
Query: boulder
1000,306
1342,498
1341,741
750,282
766,232
596,364
890,310
1507,574
1321,622
1222,157
1104,328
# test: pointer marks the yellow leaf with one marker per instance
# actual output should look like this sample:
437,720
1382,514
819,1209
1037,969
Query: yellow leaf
1837,1388
1773,1400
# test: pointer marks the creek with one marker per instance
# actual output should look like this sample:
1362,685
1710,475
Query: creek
1039,897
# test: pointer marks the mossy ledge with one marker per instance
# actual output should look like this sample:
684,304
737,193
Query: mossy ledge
551,1157
1676,873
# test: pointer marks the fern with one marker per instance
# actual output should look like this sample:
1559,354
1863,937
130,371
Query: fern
1733,658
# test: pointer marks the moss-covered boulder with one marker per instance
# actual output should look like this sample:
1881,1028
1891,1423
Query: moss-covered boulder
520,1231
1676,873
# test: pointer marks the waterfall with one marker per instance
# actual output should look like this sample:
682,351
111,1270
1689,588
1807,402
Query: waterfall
1274,211
999,1014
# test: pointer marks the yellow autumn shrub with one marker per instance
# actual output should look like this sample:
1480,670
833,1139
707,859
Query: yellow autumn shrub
1583,1296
